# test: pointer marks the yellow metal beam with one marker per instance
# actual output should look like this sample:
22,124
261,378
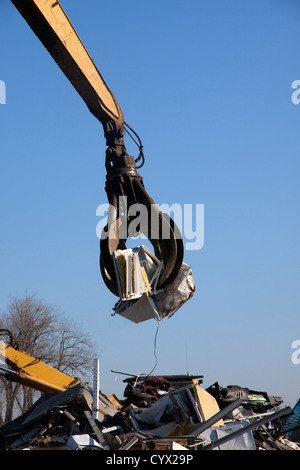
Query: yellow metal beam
51,25
33,372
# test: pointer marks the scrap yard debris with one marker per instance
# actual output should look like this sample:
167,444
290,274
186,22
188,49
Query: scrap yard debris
156,413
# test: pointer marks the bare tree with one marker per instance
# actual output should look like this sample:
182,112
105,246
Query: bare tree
41,331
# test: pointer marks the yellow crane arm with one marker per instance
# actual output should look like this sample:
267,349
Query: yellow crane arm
32,372
51,25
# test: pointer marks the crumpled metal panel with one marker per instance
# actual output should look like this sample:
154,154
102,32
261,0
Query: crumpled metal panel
159,304
175,294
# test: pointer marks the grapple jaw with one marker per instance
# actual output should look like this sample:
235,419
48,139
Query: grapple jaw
133,212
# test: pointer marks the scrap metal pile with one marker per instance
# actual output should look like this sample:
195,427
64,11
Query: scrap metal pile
167,412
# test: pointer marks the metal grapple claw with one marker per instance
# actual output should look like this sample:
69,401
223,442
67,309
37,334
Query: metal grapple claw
133,212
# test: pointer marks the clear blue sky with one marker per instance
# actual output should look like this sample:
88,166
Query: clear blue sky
207,85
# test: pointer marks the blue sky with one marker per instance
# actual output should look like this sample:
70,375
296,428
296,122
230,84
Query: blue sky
207,85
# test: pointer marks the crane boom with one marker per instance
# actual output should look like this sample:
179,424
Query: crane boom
51,25
32,372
